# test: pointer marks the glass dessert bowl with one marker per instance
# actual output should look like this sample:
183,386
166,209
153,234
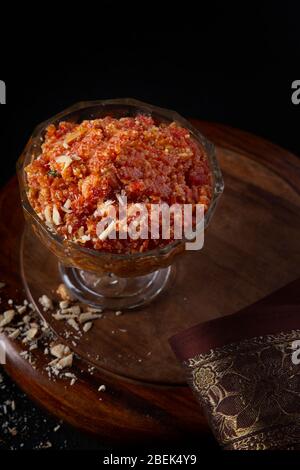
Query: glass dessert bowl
100,278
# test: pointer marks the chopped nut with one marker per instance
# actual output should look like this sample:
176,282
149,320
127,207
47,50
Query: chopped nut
118,313
63,316
74,135
102,388
58,350
64,304
72,322
94,310
21,309
65,159
66,361
56,216
7,317
30,334
69,375
67,204
46,302
75,310
63,292
48,214
14,334
87,326
84,317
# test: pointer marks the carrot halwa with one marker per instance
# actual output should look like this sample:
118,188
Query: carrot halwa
84,168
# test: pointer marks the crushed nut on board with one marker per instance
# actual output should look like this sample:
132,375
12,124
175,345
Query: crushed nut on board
72,322
64,304
7,317
45,302
31,333
63,292
58,350
87,326
84,317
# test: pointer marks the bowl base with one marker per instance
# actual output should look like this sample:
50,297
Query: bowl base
113,292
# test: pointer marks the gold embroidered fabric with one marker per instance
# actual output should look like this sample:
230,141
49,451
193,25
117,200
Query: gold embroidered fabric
250,392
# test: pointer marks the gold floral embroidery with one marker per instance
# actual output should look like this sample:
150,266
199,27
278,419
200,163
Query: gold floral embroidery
250,391
204,377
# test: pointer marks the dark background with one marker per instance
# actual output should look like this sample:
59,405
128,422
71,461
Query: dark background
231,64
226,62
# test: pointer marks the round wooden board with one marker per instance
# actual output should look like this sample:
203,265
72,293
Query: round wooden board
251,249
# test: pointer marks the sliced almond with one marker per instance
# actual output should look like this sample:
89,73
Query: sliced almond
75,157
85,238
66,361
21,309
7,317
65,159
74,310
63,316
30,334
87,326
14,334
57,350
94,310
66,350
48,214
87,316
64,304
67,204
56,215
74,135
72,322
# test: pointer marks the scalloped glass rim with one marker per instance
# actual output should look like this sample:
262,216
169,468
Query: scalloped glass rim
169,115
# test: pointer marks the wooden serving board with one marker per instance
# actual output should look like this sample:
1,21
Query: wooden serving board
252,248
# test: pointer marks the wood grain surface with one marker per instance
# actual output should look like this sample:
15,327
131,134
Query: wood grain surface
251,249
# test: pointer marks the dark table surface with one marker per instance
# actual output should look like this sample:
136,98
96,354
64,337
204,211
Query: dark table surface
29,427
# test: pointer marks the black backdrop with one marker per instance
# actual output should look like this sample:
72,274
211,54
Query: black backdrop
233,65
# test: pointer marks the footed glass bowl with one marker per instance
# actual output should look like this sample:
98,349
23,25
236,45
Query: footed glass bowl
99,278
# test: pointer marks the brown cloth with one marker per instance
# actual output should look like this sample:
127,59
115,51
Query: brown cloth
240,368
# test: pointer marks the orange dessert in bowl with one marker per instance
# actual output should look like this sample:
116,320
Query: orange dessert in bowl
82,165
